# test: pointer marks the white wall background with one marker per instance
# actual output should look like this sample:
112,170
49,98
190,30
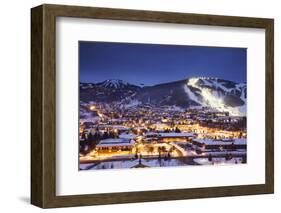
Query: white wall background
15,104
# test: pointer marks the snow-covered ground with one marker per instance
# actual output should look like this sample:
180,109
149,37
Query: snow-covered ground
192,96
131,163
132,103
121,164
217,161
85,166
185,152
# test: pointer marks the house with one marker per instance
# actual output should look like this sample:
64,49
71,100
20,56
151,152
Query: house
115,144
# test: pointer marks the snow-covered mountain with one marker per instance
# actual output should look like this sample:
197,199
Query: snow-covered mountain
114,84
223,95
220,94
110,83
107,91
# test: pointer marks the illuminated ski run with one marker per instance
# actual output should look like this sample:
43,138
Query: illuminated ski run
212,99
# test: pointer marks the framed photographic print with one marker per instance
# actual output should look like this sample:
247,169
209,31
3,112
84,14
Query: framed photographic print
136,106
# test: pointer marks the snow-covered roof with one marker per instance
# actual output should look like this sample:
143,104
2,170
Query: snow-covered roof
119,127
176,134
236,141
151,134
90,119
109,142
127,136
140,128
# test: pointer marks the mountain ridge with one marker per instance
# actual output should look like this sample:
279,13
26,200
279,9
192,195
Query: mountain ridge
191,92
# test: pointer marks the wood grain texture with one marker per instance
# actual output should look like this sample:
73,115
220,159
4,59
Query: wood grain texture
269,106
36,106
43,105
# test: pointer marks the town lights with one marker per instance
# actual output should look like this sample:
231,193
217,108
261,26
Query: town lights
92,107
164,120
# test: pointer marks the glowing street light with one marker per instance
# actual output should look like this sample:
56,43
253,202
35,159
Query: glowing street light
92,107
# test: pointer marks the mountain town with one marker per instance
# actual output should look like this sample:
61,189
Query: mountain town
194,121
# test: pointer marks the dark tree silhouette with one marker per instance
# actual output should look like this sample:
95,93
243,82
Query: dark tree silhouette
83,136
210,157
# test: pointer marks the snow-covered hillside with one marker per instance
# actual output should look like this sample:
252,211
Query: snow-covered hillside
219,94
222,95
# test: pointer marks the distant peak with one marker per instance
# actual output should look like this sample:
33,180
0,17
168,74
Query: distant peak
114,83
204,78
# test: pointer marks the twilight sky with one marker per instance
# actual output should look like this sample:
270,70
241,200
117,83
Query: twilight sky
151,64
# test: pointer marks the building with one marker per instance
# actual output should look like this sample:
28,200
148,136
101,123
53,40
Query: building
115,144
175,136
227,144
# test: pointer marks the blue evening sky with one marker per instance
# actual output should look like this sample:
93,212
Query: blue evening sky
151,64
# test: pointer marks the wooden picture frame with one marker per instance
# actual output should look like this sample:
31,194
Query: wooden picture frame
43,105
